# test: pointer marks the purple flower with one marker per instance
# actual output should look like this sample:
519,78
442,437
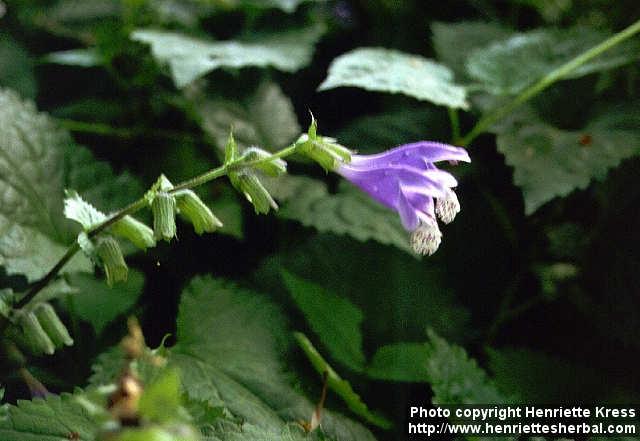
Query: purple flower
406,180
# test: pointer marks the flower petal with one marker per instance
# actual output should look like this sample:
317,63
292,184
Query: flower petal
416,155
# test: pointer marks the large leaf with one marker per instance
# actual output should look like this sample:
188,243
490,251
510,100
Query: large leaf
231,345
400,362
265,119
550,162
333,318
349,212
37,161
190,58
508,66
56,418
454,42
386,70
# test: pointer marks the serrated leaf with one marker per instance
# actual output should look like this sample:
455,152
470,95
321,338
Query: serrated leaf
265,119
56,418
190,58
454,42
98,304
507,67
400,362
550,162
348,212
16,68
455,377
231,344
339,385
334,319
392,71
79,210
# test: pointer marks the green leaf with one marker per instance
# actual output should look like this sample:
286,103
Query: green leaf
98,304
339,385
455,377
334,319
190,58
230,350
32,229
265,119
550,162
400,362
454,42
349,212
74,57
79,210
55,418
386,70
160,401
16,68
507,67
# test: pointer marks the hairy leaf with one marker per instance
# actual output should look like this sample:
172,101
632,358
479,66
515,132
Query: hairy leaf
265,119
338,385
230,349
550,162
507,67
400,362
334,319
56,418
386,70
349,212
190,58
455,377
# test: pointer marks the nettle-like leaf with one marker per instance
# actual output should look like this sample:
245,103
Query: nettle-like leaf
454,42
56,418
230,350
347,212
400,362
98,304
190,58
265,119
507,67
550,162
392,71
455,377
334,319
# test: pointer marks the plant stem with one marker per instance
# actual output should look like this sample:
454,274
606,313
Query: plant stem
121,132
552,77
455,125
137,206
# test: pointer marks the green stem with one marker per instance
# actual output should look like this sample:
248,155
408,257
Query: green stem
137,206
120,132
552,77
455,125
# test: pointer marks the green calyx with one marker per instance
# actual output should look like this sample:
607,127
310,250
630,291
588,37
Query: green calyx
191,207
272,167
52,325
135,231
323,150
248,184
110,254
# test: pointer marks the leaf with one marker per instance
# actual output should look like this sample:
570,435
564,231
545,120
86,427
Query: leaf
55,418
74,57
230,349
509,66
16,68
387,70
190,58
400,362
339,385
79,210
32,228
334,319
98,304
454,42
455,378
348,212
550,162
265,119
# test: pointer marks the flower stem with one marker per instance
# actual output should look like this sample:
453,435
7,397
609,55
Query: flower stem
137,206
552,77
455,125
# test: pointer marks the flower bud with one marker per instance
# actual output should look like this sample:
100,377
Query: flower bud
34,334
274,167
111,256
135,231
164,216
426,239
52,325
191,207
447,207
325,151
249,184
